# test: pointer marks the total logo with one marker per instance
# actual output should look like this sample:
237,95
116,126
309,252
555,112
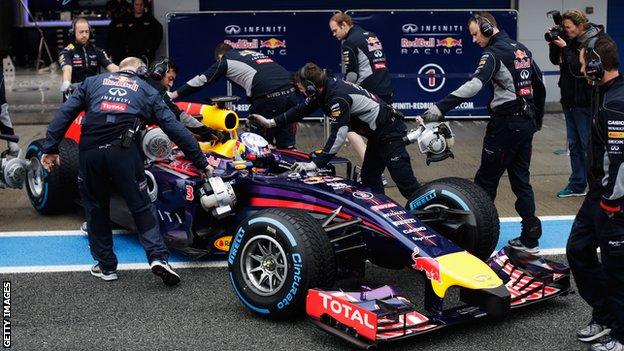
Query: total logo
431,77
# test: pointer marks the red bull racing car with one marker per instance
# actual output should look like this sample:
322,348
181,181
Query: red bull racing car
287,237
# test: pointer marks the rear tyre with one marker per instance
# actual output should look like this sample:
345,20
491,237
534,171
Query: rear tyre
54,191
275,257
461,211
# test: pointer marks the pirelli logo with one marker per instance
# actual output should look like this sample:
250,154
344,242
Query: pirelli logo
616,135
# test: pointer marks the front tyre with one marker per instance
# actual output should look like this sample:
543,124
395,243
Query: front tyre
275,257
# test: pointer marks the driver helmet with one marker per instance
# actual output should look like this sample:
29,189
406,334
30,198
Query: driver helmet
256,147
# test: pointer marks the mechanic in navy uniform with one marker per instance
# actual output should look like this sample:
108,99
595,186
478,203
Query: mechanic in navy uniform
161,74
117,104
363,63
351,107
81,59
600,220
6,126
267,84
516,111
142,32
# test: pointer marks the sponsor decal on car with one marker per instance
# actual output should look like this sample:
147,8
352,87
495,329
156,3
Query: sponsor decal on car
385,206
345,312
223,243
430,266
235,245
403,222
423,199
363,195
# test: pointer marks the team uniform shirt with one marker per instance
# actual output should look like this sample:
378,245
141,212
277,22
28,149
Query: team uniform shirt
85,60
113,102
253,71
508,68
606,172
364,62
347,105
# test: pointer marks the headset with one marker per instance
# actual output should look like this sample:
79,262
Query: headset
594,68
159,68
310,88
72,29
486,27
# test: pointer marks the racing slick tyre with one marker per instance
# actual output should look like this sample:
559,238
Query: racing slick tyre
275,257
461,211
54,191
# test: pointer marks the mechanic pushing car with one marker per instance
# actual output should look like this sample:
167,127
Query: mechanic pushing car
600,220
116,104
267,84
350,106
81,59
160,76
516,112
363,63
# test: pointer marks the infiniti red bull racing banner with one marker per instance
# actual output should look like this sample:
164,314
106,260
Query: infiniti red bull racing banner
290,38
429,54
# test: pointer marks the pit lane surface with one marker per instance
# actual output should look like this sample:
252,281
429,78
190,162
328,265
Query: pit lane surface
75,311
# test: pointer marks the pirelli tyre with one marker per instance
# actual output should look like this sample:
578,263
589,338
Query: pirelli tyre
461,211
276,255
54,191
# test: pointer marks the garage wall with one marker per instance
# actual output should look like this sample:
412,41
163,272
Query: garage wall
163,7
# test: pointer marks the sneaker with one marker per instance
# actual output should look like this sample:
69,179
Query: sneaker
519,245
105,275
607,344
162,269
592,331
567,192
83,229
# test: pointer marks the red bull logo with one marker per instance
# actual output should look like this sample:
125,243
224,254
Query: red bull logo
520,54
418,43
449,42
273,43
430,266
242,44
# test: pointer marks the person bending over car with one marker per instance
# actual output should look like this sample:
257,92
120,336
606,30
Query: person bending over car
160,76
115,105
351,107
516,110
600,220
267,84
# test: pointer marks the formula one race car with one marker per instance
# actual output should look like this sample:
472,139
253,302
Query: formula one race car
288,236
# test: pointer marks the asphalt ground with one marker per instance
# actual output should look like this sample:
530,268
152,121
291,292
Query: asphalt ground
76,311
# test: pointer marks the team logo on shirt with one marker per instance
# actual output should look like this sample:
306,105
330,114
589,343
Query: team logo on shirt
431,77
373,43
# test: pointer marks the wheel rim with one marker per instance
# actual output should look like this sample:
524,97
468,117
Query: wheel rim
36,179
264,265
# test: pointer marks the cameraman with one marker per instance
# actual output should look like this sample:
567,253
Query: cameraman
575,93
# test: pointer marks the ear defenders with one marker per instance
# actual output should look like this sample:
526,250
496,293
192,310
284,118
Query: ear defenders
594,68
142,71
159,68
310,88
485,26
72,29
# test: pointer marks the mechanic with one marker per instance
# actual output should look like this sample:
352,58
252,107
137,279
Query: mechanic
6,126
142,32
600,220
516,111
350,106
116,105
81,59
160,76
575,95
267,84
363,63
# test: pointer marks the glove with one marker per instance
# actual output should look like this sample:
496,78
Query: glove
610,209
208,171
303,166
433,114
65,86
261,121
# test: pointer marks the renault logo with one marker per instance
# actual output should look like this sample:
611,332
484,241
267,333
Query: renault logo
232,29
409,28
117,91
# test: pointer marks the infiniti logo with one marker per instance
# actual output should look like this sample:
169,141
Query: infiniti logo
117,91
524,74
409,28
232,29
